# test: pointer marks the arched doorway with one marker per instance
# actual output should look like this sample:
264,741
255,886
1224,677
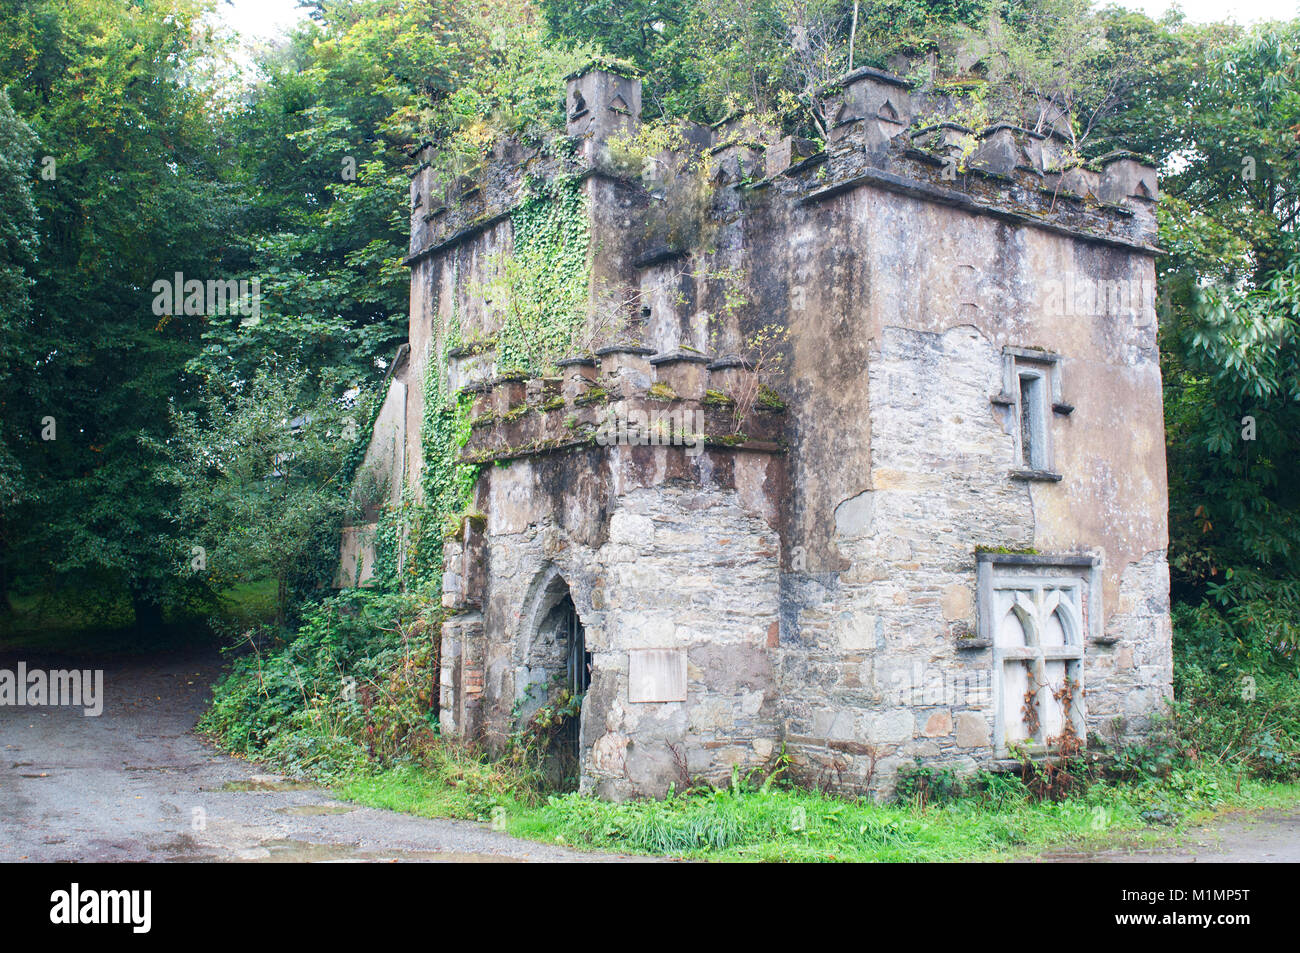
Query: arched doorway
567,744
552,681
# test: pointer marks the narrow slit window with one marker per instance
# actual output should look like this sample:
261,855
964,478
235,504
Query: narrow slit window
1033,449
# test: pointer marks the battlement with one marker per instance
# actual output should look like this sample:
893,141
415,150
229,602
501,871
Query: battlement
883,132
623,395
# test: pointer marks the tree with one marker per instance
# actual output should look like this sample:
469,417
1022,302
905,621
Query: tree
263,482
123,99
18,248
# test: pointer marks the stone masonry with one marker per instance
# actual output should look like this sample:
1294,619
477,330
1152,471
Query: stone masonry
938,532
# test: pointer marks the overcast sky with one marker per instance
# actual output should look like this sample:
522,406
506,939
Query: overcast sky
265,18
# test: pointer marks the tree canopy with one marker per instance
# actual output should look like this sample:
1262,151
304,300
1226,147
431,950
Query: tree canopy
137,145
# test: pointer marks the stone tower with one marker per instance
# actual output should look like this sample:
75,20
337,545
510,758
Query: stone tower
854,454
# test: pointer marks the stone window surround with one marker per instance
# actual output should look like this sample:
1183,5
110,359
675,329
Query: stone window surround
1081,570
1018,361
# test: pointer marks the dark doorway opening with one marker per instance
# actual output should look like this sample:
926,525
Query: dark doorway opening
566,744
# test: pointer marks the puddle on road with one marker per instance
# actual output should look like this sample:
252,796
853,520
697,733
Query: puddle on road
313,810
259,783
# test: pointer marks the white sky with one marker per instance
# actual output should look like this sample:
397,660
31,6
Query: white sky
1206,11
266,18
262,19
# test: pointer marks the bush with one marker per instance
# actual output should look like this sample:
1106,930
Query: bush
920,784
355,688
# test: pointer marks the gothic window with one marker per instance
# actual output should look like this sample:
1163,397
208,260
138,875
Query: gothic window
1038,640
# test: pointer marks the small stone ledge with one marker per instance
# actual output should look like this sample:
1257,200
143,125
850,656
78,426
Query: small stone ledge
866,72
973,644
1037,476
474,348
625,349
1033,559
730,361
1033,354
474,227
1063,409
680,355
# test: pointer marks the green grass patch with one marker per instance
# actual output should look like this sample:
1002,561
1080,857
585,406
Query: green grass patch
99,620
774,823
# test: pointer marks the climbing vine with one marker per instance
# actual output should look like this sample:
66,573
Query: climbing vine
544,284
447,485
544,287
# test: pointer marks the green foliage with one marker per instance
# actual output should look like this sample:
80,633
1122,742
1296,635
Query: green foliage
447,485
260,480
355,688
545,281
124,100
18,247
1226,103
705,59
923,784
757,820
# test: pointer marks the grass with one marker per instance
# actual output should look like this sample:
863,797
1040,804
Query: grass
744,823
93,622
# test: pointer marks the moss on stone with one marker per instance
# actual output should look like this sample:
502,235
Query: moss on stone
514,413
768,399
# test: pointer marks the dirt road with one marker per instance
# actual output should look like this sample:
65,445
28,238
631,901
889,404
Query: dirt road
135,784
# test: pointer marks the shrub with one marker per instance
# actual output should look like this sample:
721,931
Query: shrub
355,686
921,784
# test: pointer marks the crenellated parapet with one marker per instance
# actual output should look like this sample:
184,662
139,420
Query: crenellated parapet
880,130
625,395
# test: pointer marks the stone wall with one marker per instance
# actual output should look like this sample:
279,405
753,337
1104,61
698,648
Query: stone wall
823,579
660,552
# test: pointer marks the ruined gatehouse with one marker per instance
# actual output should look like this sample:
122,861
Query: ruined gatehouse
855,454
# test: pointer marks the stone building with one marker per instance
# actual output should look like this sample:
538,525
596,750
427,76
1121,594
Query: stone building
860,462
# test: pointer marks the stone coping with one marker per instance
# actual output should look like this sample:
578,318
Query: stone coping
731,360
1035,559
686,356
867,72
625,349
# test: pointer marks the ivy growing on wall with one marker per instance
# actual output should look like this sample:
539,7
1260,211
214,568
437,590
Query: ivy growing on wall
547,278
544,287
447,486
